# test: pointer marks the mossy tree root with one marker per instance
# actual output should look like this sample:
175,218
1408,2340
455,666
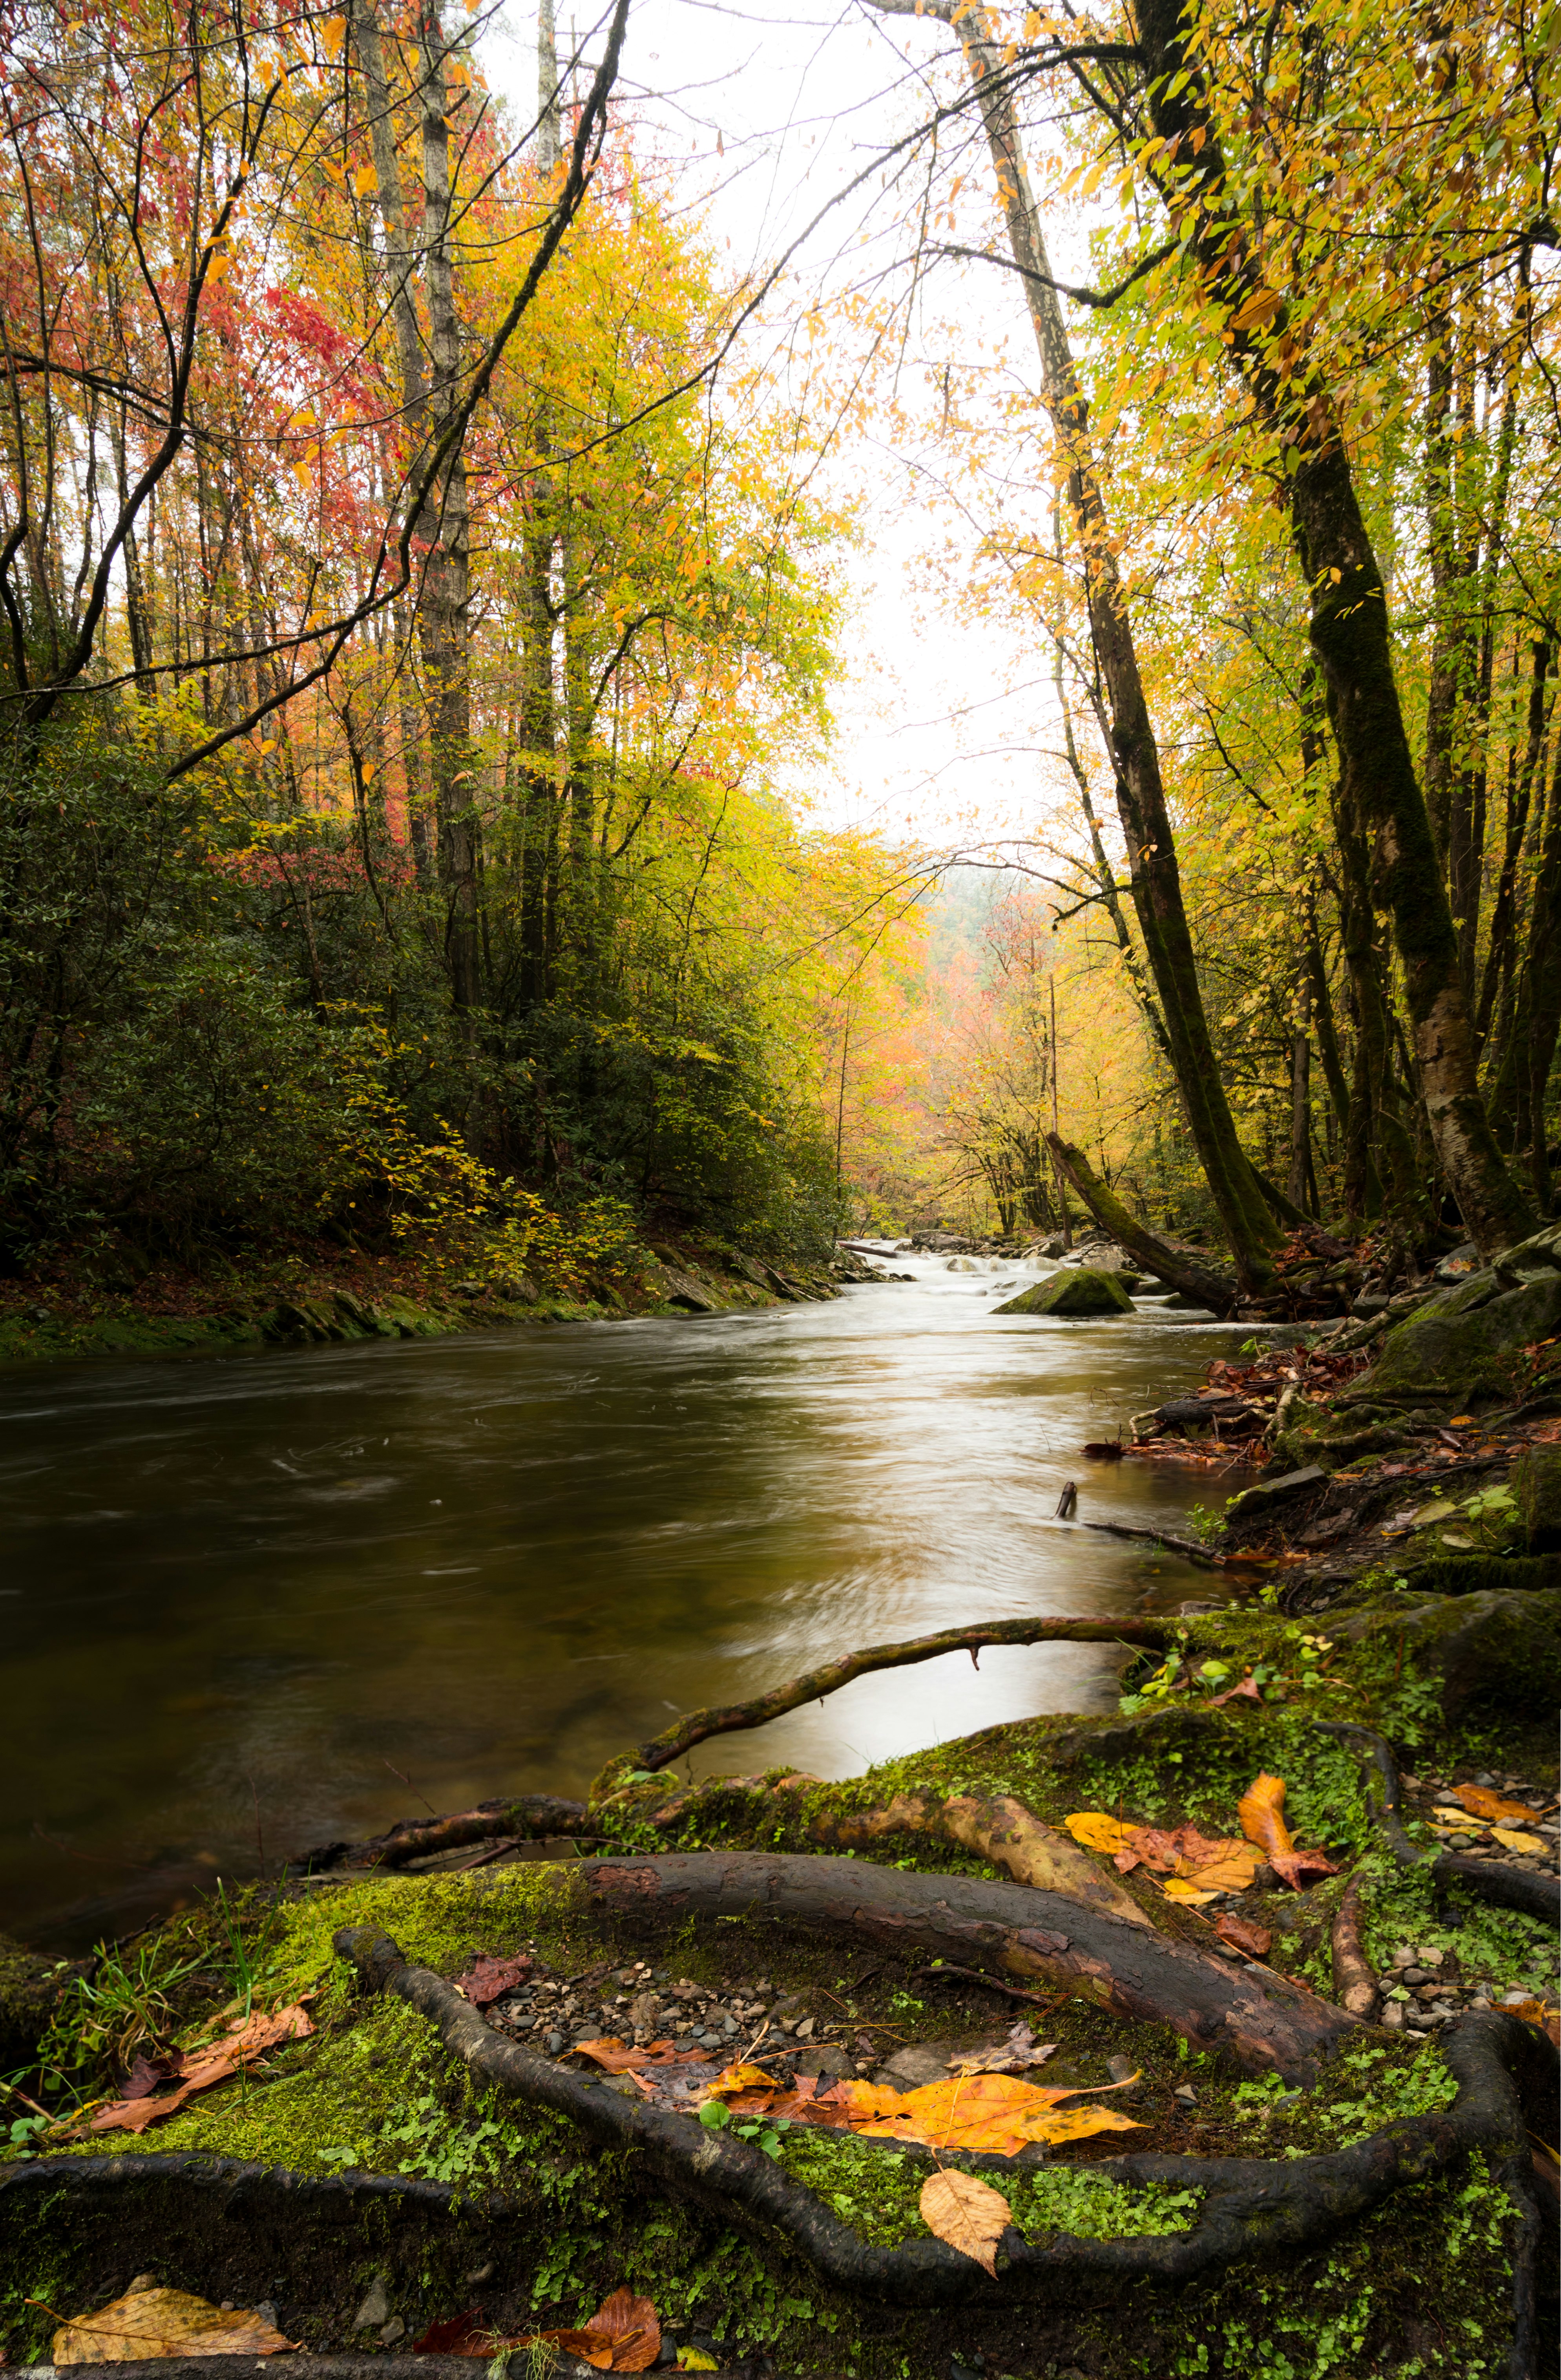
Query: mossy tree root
1253,2208
1246,2016
698,1726
1538,1896
526,1818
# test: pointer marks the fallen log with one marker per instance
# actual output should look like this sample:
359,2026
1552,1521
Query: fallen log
1250,2207
1185,1269
525,1816
1258,2021
698,1726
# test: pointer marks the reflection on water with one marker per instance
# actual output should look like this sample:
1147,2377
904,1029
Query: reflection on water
242,1593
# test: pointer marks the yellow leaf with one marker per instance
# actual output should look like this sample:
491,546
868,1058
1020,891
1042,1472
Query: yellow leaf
333,33
1078,2123
1098,1832
146,2324
690,2358
969,2215
363,181
369,772
1261,307
1518,1842
740,2078
1485,1804
1176,1887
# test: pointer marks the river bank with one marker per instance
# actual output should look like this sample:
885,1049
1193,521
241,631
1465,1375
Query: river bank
1262,1950
320,1293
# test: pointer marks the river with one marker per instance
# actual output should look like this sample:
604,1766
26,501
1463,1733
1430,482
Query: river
247,1597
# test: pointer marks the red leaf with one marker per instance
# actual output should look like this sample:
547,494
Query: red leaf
490,1978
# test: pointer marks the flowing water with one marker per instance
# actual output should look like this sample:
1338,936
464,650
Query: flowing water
244,1598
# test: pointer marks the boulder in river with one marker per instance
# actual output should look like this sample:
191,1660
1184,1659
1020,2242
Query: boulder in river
1083,1292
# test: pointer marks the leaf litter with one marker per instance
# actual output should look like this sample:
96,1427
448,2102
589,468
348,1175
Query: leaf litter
146,2325
1198,1867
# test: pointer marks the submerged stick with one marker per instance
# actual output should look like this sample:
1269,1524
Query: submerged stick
698,1726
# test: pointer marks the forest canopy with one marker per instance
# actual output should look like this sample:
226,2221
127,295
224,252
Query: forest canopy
425,603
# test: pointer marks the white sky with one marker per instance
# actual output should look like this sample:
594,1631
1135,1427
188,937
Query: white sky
765,114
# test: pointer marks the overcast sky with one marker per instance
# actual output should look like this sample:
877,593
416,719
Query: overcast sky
759,115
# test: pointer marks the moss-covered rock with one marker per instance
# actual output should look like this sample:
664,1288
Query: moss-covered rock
29,1990
1465,1345
1082,1290
1536,1484
1504,1648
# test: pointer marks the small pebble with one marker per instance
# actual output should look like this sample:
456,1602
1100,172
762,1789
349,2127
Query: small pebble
555,2042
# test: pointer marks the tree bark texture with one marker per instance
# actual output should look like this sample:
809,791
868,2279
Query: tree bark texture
1350,632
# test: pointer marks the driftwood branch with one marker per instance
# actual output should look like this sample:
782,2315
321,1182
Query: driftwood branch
698,1726
525,1816
1180,1268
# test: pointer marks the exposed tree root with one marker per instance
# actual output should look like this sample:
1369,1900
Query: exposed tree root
1259,2020
1510,1887
1253,2207
1355,1986
698,1726
527,1816
1001,1830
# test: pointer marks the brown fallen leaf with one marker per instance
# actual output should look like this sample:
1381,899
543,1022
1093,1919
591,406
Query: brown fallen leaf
247,2040
1256,1941
1261,1811
1249,1690
490,1978
615,2057
1483,1803
1301,1868
1015,2054
148,2324
623,2335
969,2215
149,2074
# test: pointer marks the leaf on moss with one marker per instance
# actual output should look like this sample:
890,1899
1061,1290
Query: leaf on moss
1261,1812
146,2325
969,2215
247,2040
993,2112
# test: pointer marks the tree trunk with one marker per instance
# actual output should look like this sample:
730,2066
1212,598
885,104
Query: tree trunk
1349,636
1300,1093
1180,1268
446,591
1248,2016
1154,874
